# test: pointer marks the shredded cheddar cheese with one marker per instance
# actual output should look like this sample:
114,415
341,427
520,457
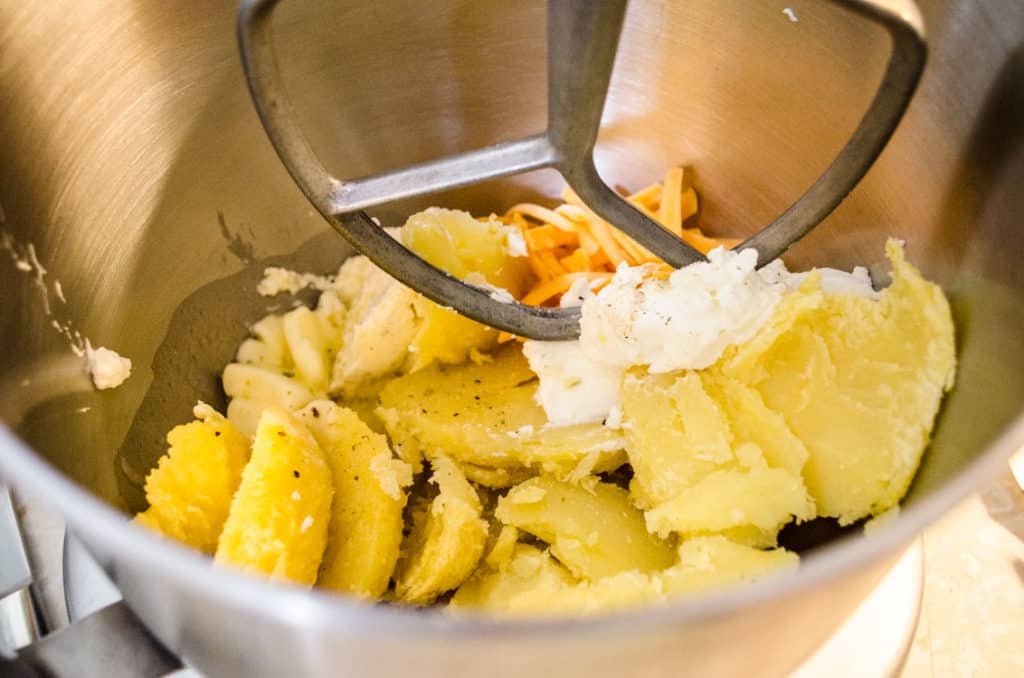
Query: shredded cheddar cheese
571,241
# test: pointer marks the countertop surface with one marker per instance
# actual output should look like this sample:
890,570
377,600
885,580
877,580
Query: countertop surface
972,614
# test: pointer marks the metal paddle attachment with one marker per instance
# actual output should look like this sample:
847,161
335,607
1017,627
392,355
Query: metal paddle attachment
583,37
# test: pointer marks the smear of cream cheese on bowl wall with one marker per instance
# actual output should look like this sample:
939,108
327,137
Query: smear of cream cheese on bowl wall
106,367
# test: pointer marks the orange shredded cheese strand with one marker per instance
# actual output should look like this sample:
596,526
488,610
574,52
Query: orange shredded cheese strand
599,228
630,248
571,240
543,215
687,204
560,285
577,262
648,198
549,237
705,244
671,197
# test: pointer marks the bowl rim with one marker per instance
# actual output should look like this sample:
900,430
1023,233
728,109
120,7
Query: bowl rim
136,548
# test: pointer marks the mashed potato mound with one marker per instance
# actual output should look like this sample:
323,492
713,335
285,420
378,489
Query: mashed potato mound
858,381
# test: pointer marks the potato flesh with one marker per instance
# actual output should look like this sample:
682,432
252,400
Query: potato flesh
190,490
763,498
461,245
390,328
277,525
698,471
533,583
486,415
591,526
308,345
378,326
447,539
527,572
365,528
859,381
465,247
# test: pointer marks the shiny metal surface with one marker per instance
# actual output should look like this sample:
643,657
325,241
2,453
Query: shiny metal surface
131,159
19,625
15,572
582,40
109,643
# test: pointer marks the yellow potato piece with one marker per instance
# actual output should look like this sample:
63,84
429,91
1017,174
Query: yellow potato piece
460,244
623,590
444,336
496,478
703,564
708,563
365,528
710,457
591,526
528,572
447,539
378,324
762,498
308,345
278,521
366,408
503,549
859,381
486,415
467,248
676,434
753,422
190,490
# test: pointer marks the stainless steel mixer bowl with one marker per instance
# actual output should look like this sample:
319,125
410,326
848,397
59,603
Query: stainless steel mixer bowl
131,159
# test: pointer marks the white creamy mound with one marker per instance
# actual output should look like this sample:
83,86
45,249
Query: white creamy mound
107,368
684,322
277,280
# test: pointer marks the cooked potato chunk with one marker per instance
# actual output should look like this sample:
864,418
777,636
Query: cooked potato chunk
528,572
496,478
676,434
486,415
753,422
365,528
763,498
503,548
707,563
253,388
308,345
190,490
697,471
380,323
591,526
456,242
447,539
704,564
467,248
267,347
279,516
859,381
